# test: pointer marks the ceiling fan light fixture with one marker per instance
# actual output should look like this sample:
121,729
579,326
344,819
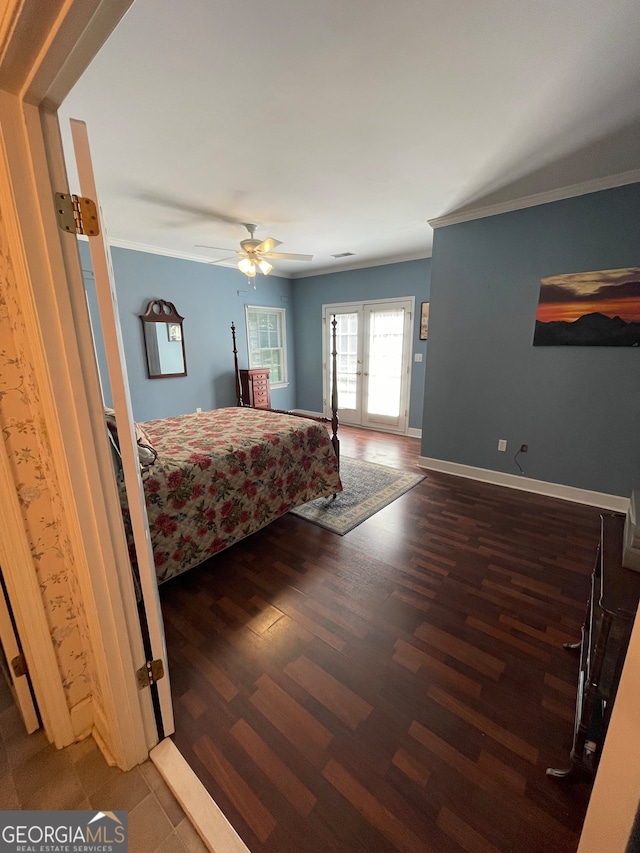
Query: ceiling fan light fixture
247,266
265,267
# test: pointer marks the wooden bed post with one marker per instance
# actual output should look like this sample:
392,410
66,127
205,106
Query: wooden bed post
235,364
334,388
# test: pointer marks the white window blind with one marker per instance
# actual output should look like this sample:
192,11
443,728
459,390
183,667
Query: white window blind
266,338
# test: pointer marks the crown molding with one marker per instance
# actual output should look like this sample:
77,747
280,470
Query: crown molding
361,265
186,256
536,199
183,256
158,250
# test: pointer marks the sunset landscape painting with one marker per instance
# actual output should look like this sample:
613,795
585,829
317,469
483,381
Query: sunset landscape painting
600,308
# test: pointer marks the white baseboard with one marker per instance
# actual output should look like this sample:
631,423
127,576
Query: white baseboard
411,431
308,413
207,818
514,481
82,718
100,733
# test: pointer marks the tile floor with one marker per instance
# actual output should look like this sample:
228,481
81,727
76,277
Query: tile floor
36,775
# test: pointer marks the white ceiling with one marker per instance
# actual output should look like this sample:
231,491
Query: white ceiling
344,125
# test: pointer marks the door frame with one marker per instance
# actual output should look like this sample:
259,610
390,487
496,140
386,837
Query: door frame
119,384
47,271
359,306
28,610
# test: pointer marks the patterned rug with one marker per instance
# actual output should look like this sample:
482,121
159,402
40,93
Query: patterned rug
367,488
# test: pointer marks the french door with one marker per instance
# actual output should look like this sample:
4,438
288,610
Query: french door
373,345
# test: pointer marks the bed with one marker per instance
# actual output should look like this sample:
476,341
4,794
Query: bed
221,475
213,478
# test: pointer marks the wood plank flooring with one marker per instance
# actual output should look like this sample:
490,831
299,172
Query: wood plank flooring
401,688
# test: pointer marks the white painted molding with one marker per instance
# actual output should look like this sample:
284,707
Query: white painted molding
72,406
170,253
524,484
100,732
183,256
363,265
412,432
15,553
207,818
469,214
108,309
201,259
82,718
308,413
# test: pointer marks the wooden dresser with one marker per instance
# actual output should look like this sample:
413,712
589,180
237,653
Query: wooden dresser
256,391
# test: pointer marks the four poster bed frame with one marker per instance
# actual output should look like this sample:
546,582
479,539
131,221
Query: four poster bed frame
333,420
212,478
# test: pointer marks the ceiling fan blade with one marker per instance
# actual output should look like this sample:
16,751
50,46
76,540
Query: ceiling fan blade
185,207
217,248
222,260
267,245
287,256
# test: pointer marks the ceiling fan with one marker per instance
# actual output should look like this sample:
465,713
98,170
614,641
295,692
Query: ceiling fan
254,255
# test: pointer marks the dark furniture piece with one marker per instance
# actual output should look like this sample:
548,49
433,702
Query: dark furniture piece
254,384
612,605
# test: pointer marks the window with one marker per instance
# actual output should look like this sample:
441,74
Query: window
267,341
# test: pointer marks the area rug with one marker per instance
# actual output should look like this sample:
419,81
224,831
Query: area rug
367,488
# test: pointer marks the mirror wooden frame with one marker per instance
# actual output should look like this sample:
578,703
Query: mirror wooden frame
162,311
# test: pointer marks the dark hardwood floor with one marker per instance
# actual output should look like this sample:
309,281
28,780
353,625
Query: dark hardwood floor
402,687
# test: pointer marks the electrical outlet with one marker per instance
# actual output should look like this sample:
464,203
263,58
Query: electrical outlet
198,410
524,448
502,444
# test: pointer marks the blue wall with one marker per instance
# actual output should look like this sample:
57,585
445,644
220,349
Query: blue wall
390,281
209,298
578,408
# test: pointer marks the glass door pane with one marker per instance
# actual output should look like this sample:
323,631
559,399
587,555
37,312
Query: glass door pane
385,368
348,363
347,360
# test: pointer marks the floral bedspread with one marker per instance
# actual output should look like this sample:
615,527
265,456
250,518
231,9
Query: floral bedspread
224,474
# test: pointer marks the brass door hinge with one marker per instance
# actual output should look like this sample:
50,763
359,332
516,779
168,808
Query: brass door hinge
152,671
19,665
77,215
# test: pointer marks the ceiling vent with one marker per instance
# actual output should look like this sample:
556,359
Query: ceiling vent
343,255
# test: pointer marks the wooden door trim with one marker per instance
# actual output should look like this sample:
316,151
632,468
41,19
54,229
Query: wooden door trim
28,610
49,267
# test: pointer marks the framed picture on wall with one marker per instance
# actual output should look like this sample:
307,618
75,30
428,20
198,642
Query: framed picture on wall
174,331
424,321
600,308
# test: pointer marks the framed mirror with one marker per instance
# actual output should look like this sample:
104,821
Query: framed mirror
163,340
